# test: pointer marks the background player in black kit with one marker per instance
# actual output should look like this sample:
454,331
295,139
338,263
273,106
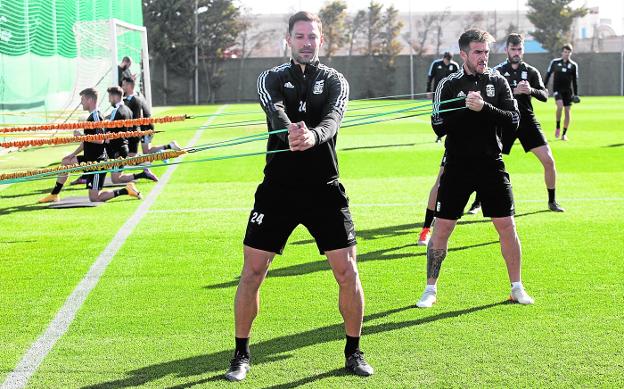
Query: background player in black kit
301,186
92,152
474,162
525,82
565,87
439,69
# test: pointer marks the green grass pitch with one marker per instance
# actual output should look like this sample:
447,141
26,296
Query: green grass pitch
162,313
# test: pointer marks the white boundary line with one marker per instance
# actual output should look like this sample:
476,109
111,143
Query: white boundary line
37,352
380,205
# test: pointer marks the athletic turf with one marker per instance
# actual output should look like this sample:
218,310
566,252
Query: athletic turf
161,315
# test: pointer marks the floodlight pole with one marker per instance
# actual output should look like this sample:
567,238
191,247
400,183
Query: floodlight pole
196,53
411,53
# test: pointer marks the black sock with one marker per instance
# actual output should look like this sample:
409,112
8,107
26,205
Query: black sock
242,346
57,188
166,147
565,130
140,175
558,123
119,192
551,195
353,345
428,218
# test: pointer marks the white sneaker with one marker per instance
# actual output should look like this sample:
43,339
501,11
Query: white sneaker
427,299
519,296
174,146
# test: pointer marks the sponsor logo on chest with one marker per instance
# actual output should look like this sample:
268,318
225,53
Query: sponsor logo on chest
318,87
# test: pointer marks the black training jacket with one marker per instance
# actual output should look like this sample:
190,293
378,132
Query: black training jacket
319,98
469,133
525,72
437,71
565,75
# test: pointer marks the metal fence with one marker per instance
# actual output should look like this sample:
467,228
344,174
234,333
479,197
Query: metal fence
599,75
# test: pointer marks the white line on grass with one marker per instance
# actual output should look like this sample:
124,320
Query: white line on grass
373,205
19,377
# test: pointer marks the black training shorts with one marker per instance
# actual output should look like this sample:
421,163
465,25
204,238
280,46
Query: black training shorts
278,209
529,133
565,96
486,176
133,145
443,162
94,181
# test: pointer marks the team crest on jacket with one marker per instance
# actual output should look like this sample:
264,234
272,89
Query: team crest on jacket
524,75
318,87
489,90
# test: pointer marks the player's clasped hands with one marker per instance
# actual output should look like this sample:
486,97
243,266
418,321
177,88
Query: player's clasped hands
300,138
474,101
523,88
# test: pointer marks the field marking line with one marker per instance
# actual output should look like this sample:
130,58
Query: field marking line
371,205
3,187
37,352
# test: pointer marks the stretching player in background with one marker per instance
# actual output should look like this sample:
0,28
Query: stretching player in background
565,87
526,82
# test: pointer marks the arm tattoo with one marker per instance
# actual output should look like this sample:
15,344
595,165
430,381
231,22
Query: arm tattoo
434,261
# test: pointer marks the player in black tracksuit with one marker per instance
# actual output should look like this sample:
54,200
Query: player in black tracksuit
93,151
301,186
118,148
474,162
526,83
439,69
141,109
565,87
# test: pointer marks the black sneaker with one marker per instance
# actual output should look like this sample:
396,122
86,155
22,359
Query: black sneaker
357,365
555,207
239,366
474,208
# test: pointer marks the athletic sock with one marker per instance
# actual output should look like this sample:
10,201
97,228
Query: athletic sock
57,188
167,147
516,285
428,218
431,288
353,345
139,175
242,346
120,192
565,130
558,123
551,195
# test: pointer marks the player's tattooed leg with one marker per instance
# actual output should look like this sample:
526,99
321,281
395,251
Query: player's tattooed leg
434,260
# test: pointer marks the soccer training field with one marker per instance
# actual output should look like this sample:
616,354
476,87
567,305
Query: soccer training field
161,314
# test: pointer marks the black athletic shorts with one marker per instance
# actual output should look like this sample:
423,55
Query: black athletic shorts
565,96
94,181
529,133
115,152
443,162
133,145
463,176
278,209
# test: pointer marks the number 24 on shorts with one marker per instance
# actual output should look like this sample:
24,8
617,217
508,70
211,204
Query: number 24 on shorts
256,218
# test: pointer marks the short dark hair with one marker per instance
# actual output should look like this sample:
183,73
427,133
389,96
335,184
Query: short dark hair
306,17
473,35
126,59
90,93
115,90
515,39
567,46
448,55
128,80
